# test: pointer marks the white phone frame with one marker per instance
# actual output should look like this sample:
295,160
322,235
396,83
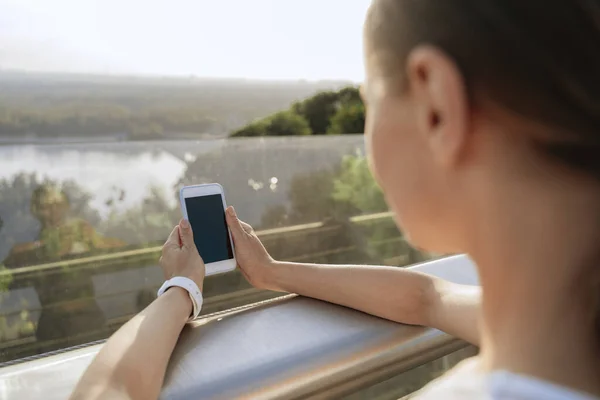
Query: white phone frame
208,189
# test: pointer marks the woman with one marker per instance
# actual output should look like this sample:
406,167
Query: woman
483,131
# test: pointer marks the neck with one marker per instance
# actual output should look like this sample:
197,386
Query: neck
539,293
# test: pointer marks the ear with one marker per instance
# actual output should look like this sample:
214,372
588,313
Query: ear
437,87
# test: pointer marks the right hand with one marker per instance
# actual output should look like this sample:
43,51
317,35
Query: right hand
180,256
254,261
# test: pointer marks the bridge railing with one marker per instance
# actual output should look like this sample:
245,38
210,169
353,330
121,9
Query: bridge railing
285,348
110,288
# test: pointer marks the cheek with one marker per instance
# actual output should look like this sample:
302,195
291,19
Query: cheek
388,148
379,139
399,162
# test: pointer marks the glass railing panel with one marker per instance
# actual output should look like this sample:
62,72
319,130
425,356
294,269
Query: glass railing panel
82,225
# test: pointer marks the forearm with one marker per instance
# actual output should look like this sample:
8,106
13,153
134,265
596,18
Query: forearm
456,309
132,363
393,293
397,294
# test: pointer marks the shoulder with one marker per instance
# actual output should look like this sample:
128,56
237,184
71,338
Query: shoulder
506,385
467,381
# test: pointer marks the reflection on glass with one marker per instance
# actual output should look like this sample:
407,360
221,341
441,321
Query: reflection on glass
60,235
80,247
68,306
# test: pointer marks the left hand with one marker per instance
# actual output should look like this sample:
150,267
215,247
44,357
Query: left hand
255,263
180,256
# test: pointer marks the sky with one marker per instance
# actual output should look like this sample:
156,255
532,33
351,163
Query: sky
259,39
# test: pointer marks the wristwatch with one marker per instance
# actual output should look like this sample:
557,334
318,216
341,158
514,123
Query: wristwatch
192,289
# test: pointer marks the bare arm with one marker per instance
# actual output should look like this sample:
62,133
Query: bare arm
396,294
133,362
455,310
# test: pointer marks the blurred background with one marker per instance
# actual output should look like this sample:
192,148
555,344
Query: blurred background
108,107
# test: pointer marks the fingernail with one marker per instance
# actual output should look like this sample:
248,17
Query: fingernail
231,211
184,224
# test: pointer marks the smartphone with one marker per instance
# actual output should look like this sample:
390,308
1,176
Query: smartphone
204,207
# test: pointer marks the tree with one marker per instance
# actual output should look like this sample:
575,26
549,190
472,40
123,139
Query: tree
287,123
355,186
257,128
349,95
350,118
19,225
318,110
310,197
326,112
283,123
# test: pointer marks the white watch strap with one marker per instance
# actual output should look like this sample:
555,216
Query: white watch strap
192,289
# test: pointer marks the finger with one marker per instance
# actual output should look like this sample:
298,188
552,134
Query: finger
247,228
173,239
186,235
237,230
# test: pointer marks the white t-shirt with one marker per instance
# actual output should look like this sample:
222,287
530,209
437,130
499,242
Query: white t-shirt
465,382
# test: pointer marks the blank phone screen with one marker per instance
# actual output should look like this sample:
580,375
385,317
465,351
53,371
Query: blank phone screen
207,217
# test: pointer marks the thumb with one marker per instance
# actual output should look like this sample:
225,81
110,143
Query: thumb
173,239
185,234
234,223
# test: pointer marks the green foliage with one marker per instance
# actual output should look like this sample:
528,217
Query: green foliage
349,118
287,123
326,112
355,186
257,128
318,110
6,279
19,225
336,193
148,222
283,123
332,197
310,197
349,95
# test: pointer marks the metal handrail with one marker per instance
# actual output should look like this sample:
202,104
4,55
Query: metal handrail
287,348
20,346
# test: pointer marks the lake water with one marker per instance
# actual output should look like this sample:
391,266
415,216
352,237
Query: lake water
256,173
101,169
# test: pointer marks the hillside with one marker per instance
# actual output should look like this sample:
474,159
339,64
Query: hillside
327,112
36,105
